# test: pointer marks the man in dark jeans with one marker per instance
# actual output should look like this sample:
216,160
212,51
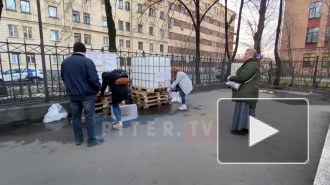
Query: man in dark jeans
82,85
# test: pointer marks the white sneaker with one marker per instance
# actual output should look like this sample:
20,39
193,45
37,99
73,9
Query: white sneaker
183,107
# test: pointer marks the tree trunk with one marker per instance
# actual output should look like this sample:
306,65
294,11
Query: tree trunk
198,53
277,57
261,25
238,28
226,44
111,27
1,7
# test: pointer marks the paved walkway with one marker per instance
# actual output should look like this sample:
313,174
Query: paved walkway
46,154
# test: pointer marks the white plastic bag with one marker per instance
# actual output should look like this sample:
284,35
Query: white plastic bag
55,113
175,97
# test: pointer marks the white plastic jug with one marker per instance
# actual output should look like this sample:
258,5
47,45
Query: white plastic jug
128,112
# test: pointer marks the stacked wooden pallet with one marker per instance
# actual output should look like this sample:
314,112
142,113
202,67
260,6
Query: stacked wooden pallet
102,106
146,98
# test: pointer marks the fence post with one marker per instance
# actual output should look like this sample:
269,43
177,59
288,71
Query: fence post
270,72
42,52
222,72
315,72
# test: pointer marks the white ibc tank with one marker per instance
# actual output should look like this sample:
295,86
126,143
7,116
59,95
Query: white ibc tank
145,70
128,112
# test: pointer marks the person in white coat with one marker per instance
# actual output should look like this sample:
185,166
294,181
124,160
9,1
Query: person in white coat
184,83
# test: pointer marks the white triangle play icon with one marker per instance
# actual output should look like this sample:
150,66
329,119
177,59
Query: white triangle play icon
259,131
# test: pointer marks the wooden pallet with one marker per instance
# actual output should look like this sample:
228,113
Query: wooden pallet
102,108
146,100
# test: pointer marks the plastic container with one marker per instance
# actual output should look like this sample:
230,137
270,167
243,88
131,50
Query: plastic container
128,112
144,71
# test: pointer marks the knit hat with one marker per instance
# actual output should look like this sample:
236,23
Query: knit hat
79,47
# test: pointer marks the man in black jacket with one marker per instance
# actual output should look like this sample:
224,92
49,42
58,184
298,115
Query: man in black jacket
82,85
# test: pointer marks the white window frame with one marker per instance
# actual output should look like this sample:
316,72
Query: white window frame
11,5
17,57
27,31
106,41
104,22
14,29
52,32
51,10
27,7
128,44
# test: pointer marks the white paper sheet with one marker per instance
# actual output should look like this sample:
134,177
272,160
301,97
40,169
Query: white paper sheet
110,62
96,57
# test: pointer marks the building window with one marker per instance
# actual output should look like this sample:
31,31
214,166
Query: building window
76,16
162,34
170,35
52,11
170,49
171,6
140,45
120,25
27,32
140,28
54,35
104,22
30,59
121,43
25,6
151,12
57,59
183,10
140,8
161,48
162,15
16,58
86,18
87,39
13,30
127,6
151,31
128,26
327,34
151,47
171,22
193,39
183,25
214,44
128,44
326,60
312,35
102,1
106,41
11,4
120,4
77,37
315,9
309,59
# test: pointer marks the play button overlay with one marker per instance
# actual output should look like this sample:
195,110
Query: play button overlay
277,131
259,131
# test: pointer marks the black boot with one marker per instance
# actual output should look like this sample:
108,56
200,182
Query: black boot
238,132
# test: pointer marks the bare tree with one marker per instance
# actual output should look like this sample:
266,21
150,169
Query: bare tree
1,7
289,33
277,57
197,16
111,27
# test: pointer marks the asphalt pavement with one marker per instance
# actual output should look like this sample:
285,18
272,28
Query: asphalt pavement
157,148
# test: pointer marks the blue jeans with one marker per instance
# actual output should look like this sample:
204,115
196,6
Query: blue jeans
183,97
116,111
89,111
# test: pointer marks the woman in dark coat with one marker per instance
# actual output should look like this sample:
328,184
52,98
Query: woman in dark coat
247,76
118,92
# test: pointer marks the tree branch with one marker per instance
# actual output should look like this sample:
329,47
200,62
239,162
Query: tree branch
209,9
190,14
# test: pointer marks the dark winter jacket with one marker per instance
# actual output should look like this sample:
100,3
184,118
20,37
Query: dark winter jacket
118,92
80,77
251,88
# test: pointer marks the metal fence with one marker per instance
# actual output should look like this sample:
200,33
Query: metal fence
23,79
24,76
